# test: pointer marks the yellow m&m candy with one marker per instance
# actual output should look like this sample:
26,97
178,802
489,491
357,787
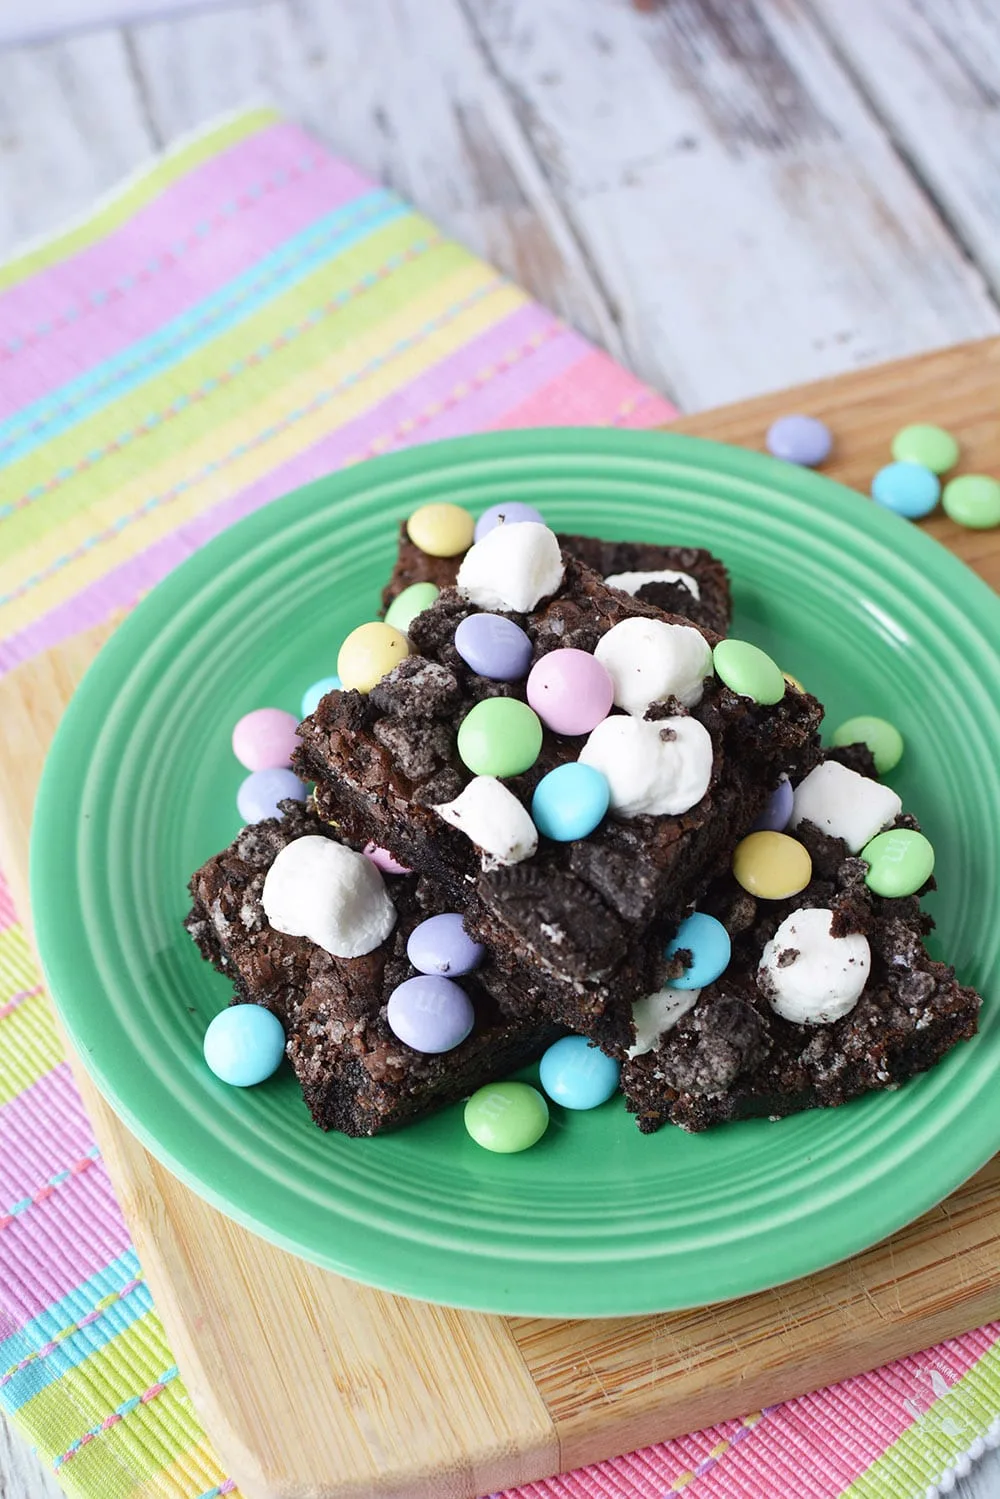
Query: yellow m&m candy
772,866
441,530
369,653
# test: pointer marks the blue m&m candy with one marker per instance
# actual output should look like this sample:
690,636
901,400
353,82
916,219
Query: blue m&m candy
908,488
244,1045
311,696
260,793
775,816
494,647
508,514
708,943
430,1013
442,945
570,801
577,1075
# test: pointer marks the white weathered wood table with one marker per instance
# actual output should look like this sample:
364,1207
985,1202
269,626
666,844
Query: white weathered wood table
730,195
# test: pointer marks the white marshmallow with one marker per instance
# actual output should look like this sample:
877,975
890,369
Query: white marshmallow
657,1014
632,582
844,804
652,768
318,889
827,976
649,660
513,567
492,817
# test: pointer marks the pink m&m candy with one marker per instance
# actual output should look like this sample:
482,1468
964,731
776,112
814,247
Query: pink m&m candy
265,738
570,691
382,859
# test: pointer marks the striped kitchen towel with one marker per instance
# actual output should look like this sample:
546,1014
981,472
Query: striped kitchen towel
247,315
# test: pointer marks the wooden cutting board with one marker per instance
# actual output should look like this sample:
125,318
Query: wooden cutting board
313,1387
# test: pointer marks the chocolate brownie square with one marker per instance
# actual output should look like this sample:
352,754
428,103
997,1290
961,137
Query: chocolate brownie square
355,1074
686,581
580,924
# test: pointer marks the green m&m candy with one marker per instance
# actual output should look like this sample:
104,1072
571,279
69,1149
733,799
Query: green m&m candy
932,447
500,736
407,605
900,862
973,500
506,1117
749,671
882,738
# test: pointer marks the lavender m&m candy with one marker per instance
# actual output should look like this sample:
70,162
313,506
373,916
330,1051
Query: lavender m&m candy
799,439
442,945
774,818
494,646
509,514
265,738
430,1013
570,691
260,793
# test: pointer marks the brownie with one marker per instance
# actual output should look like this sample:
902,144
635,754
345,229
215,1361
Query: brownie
711,606
733,1057
579,927
355,1075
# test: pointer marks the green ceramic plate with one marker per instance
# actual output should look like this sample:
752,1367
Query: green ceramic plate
597,1220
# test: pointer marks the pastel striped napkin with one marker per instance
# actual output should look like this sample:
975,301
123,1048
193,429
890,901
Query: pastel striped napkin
245,316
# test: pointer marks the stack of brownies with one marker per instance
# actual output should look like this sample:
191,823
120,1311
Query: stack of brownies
575,931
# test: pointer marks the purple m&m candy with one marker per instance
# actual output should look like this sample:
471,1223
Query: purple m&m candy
799,439
494,646
265,738
774,818
570,691
430,1013
506,515
442,945
260,793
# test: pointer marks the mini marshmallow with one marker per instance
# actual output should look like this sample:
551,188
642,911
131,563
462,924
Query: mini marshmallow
512,568
632,582
652,768
318,889
657,1014
809,976
649,660
844,804
491,816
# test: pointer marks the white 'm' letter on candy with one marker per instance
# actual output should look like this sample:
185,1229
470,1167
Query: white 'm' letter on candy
840,802
649,661
810,976
652,768
318,889
492,817
512,568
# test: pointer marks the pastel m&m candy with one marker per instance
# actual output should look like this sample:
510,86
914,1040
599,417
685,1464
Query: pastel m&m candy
926,444
900,862
973,500
511,513
244,1045
578,1075
440,529
571,691
776,815
442,945
499,737
799,439
383,860
265,738
506,1117
369,653
260,793
493,646
882,738
313,695
407,605
772,865
749,671
570,801
708,942
908,488
430,1013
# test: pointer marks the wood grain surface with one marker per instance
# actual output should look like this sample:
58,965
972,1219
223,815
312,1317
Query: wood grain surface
406,1399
